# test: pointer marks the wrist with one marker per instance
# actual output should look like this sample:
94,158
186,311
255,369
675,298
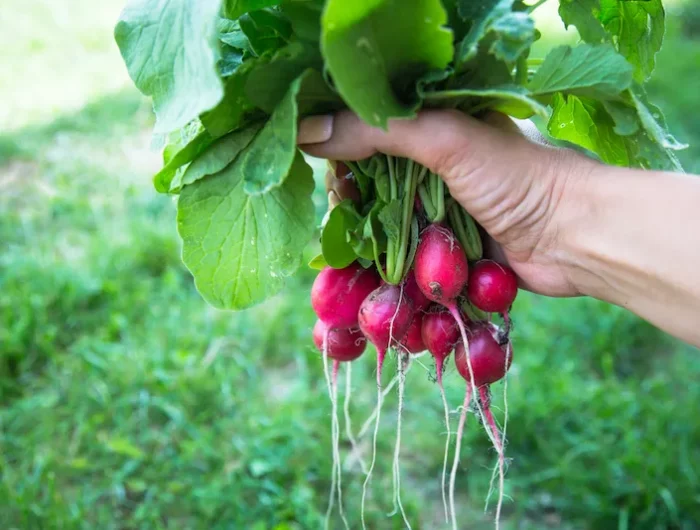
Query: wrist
584,200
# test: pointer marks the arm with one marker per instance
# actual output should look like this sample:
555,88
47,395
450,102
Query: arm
566,224
634,240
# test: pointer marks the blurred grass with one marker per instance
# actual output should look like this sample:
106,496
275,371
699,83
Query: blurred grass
128,403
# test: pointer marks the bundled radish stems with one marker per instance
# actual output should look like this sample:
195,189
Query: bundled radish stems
408,275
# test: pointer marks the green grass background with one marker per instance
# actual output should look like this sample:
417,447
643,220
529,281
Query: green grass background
127,403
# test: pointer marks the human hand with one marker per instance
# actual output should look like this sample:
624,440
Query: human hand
522,191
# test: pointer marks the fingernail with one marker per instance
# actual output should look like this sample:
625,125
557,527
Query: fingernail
315,130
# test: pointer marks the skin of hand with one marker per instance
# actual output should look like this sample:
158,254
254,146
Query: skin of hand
567,225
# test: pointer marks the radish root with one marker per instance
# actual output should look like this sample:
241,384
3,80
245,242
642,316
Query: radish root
356,453
331,496
336,443
458,448
491,424
447,450
402,364
381,354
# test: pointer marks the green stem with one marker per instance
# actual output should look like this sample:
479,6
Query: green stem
521,71
466,231
438,197
410,183
426,199
391,245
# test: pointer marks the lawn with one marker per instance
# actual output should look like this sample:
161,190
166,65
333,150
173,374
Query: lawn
127,403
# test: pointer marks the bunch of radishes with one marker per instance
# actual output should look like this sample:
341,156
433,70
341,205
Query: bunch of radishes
424,312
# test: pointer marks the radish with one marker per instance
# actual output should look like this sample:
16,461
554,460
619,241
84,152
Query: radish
441,267
337,294
440,334
492,287
411,289
343,345
485,362
412,341
384,317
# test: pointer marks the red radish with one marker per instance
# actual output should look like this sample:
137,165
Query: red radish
410,287
488,357
492,286
440,334
343,345
412,341
485,362
384,317
441,267
337,294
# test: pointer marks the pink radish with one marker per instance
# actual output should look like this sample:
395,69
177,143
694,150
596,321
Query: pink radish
492,286
385,316
343,345
412,341
486,362
337,294
440,334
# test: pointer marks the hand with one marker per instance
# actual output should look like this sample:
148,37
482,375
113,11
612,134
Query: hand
522,191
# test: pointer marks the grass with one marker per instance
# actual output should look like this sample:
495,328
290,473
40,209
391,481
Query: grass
126,402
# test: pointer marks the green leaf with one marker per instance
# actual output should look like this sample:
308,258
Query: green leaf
595,71
625,116
638,27
269,81
376,50
513,33
391,216
305,17
235,106
653,121
162,180
513,100
318,263
170,51
335,245
585,123
583,15
235,8
266,161
219,155
241,247
231,59
635,27
230,33
266,30
368,239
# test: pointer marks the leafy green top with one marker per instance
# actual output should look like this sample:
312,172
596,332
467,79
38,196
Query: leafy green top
230,79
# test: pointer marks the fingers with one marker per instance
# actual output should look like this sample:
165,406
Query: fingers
433,136
446,141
